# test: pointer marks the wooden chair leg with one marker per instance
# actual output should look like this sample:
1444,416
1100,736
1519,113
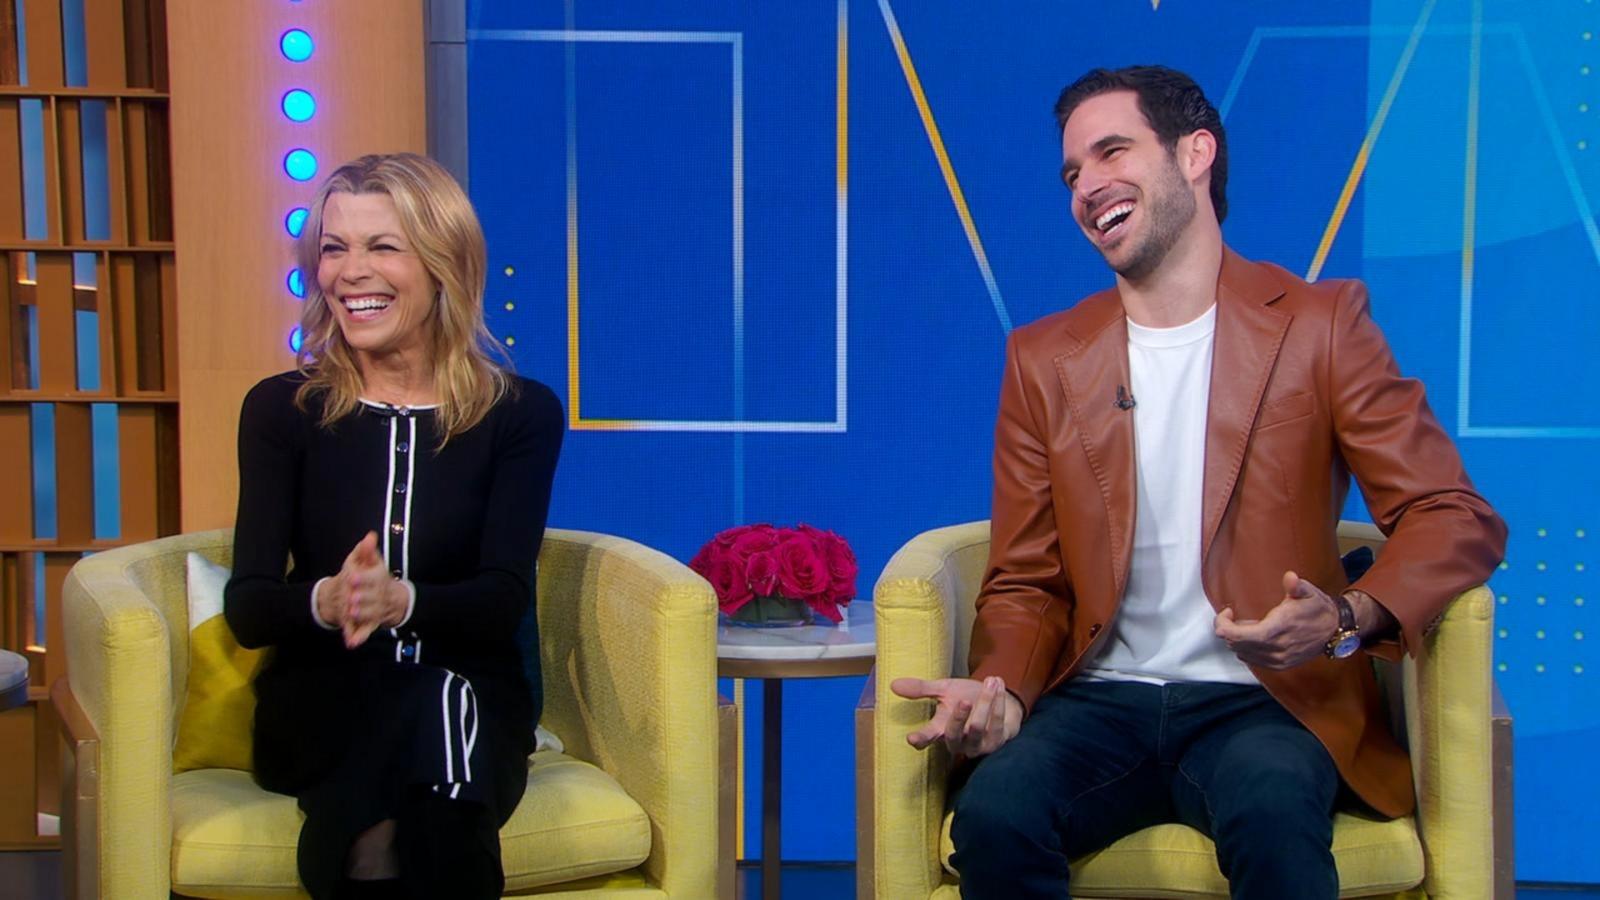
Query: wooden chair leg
727,796
1505,869
866,823
80,796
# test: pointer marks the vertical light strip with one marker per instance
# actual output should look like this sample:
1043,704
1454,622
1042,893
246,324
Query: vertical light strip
573,413
736,52
1359,167
736,49
841,218
945,166
1469,220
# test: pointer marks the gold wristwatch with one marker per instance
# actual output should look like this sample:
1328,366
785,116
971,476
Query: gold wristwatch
1347,640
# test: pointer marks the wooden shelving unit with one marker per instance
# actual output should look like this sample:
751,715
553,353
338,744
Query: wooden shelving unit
133,298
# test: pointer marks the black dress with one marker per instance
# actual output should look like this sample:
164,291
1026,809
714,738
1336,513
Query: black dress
429,723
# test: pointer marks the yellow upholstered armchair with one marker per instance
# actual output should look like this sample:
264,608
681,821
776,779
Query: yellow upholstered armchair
1457,845
638,805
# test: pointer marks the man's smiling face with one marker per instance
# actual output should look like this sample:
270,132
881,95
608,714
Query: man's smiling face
1129,194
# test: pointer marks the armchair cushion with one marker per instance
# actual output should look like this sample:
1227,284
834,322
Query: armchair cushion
230,838
1374,856
219,703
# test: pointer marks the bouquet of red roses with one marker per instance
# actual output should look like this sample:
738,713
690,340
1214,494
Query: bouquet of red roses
802,563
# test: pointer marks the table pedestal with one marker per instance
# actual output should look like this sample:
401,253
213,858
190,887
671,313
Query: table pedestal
771,655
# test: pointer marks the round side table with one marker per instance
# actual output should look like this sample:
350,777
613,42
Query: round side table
773,654
13,680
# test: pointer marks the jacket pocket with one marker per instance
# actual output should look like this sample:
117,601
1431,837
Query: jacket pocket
1285,409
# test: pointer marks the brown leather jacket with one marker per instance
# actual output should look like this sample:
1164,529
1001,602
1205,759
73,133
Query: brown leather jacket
1304,392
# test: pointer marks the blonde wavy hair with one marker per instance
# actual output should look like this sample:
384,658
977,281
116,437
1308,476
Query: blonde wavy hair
469,366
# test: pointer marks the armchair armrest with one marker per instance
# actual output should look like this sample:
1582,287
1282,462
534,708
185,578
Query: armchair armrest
918,602
1449,708
125,624
632,633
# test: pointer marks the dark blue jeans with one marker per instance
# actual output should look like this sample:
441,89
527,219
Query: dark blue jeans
1100,760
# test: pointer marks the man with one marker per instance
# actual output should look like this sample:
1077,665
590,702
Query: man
1165,632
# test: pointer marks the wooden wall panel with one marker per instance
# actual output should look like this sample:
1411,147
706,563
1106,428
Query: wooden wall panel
230,194
116,173
16,489
58,328
74,475
10,165
136,435
41,23
13,351
105,52
69,162
135,331
10,67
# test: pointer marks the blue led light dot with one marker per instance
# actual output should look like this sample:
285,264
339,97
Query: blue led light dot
299,105
300,164
296,45
295,340
295,221
297,284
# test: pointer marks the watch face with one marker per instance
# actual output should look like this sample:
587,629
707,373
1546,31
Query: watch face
1347,646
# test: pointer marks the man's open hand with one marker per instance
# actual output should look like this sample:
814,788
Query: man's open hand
973,718
1295,631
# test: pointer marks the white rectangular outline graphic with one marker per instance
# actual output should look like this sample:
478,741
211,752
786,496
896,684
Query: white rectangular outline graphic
738,424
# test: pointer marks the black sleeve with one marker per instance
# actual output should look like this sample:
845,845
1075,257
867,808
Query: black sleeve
262,607
494,599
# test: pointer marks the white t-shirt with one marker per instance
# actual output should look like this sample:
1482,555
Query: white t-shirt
1163,632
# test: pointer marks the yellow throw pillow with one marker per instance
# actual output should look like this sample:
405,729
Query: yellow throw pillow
220,703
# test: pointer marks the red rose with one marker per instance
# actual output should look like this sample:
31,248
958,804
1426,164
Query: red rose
727,536
728,580
825,607
755,539
802,570
842,569
841,561
761,573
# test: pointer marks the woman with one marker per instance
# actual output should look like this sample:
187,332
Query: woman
407,477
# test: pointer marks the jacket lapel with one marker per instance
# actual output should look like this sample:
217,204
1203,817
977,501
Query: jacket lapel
1091,371
1249,334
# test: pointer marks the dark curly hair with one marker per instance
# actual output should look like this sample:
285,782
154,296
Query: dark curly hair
1173,106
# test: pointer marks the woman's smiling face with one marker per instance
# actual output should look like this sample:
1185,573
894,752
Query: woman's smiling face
371,277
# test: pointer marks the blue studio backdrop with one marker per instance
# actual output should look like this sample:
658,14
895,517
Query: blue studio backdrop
768,255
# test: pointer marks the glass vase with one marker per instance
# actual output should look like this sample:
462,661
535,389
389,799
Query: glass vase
772,612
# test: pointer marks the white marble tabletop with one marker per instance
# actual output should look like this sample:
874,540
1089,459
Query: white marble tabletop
853,638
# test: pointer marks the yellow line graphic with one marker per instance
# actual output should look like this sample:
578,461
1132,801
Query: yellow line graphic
1360,166
945,166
